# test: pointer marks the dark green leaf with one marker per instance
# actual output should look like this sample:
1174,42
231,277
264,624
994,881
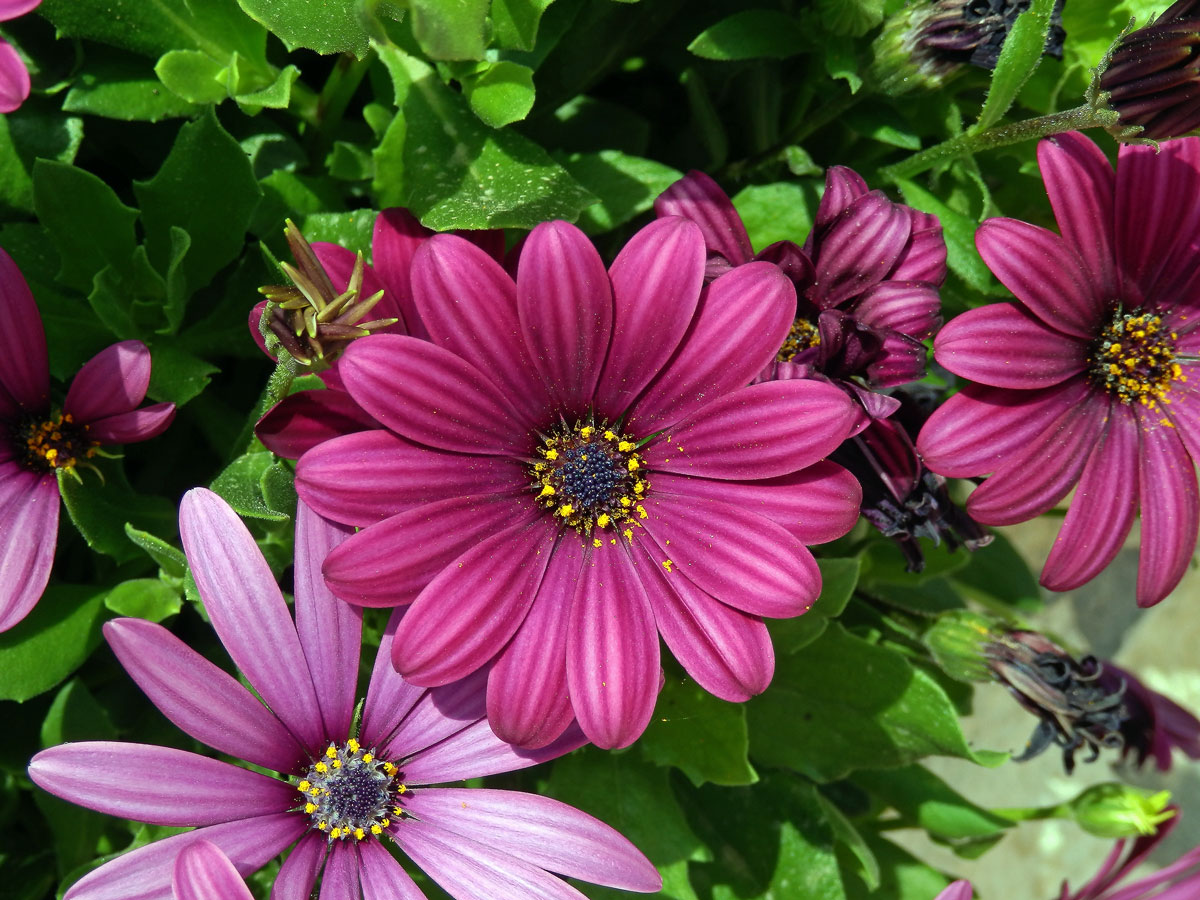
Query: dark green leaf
999,572
352,230
851,17
1019,57
276,95
177,375
841,62
751,34
32,135
124,87
76,716
144,598
626,186
278,486
901,875
240,484
926,801
515,22
450,30
52,641
776,212
169,558
332,26
501,94
839,576
347,162
885,562
849,837
100,509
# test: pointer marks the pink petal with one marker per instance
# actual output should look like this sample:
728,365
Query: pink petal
1170,510
391,562
383,878
566,311
612,650
133,426
298,423
438,714
204,872
699,198
656,282
740,557
1102,509
397,236
539,831
28,534
475,752
431,396
842,187
248,612
201,699
470,610
1082,186
859,248
14,78
740,324
389,697
959,890
24,369
1044,273
469,304
339,881
299,871
11,9
902,361
924,257
158,785
111,382
1002,345
909,307
759,431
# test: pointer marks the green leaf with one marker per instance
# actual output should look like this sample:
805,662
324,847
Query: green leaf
352,230
33,135
76,716
901,875
144,598
206,187
698,733
847,835
169,558
276,95
776,212
751,34
100,509
626,186
825,717
501,94
65,197
959,230
278,486
438,160
841,62
123,87
332,26
1019,58
839,577
52,641
999,572
176,375
515,22
850,17
450,29
193,75
240,485
924,800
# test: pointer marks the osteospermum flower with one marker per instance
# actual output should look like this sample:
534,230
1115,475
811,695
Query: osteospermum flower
574,464
1154,724
1084,381
38,440
866,281
14,77
343,790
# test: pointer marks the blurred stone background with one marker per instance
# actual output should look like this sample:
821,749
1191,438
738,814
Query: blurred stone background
1161,646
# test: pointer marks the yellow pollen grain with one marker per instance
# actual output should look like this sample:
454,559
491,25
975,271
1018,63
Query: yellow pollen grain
603,519
624,446
337,763
304,786
375,829
359,834
609,436
565,510
586,431
641,511
552,454
310,808
547,491
667,564
336,833
628,532
331,752
353,745
367,757
321,767
596,542
633,464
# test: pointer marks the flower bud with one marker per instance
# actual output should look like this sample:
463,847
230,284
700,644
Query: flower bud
958,641
1116,810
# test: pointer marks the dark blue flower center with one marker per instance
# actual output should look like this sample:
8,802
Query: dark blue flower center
348,793
1134,359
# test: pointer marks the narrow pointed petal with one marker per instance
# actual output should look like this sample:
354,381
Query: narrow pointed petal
959,890
1082,187
566,311
298,423
859,248
612,650
339,881
469,304
382,877
476,752
111,382
145,873
248,611
204,872
656,280
542,832
471,609
1003,346
431,396
700,199
438,714
1170,512
299,871
28,533
1102,509
397,236
741,322
201,699
25,372
759,431
133,426
1044,273
389,697
159,785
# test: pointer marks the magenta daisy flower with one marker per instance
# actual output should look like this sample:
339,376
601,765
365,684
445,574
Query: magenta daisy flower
14,77
574,464
866,281
1083,381
343,790
38,440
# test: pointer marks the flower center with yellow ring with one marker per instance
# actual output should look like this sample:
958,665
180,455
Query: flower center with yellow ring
349,793
1134,359
803,335
56,443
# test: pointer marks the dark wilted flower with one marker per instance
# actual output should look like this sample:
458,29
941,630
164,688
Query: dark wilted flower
1154,725
1151,77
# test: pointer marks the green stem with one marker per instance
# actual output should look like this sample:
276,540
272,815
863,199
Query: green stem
1001,136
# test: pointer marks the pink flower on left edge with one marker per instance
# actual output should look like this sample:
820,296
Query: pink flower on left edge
14,77
36,440
1087,381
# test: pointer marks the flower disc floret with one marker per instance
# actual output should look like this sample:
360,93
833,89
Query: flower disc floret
803,335
349,792
1134,359
55,443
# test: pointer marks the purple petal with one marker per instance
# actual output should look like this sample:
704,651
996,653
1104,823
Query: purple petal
136,425
1003,346
975,431
700,199
28,533
158,785
330,631
612,650
391,562
566,311
924,257
383,878
431,396
145,873
1170,510
439,713
740,557
540,831
758,431
14,78
470,610
726,651
248,611
10,9
902,360
475,752
959,890
1102,509
859,248
397,236
656,282
909,307
740,324
24,370
527,701
201,699
204,872
298,423
1044,273
339,263
469,305
299,871
1081,185
111,382
389,697
842,187
339,881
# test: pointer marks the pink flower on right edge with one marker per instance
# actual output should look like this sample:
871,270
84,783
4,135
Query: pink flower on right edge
14,77
1084,382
